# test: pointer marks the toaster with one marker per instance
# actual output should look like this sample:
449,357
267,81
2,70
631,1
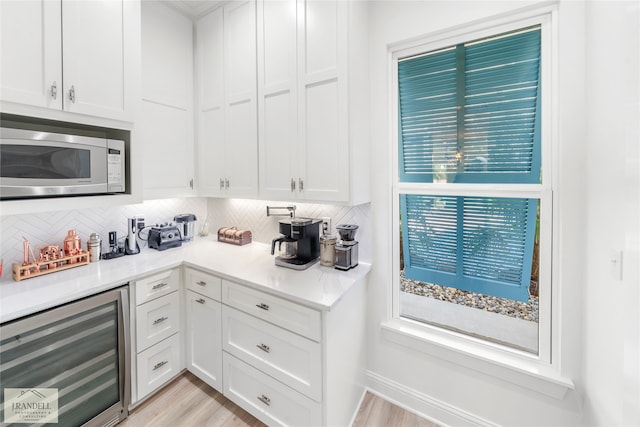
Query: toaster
164,237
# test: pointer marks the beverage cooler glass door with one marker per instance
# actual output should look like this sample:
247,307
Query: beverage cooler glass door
67,366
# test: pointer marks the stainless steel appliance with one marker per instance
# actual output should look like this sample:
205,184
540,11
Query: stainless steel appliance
347,248
164,236
131,246
80,349
301,240
45,164
186,224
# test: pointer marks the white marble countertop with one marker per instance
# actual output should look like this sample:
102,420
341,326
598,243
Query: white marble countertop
252,265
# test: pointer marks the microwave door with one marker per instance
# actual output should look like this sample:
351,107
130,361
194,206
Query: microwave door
48,168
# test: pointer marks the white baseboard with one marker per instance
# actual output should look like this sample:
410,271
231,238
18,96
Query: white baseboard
422,404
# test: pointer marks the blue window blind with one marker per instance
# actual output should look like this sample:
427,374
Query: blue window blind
478,244
470,113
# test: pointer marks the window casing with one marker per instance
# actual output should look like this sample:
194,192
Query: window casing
460,184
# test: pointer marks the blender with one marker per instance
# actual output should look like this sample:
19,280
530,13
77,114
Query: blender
186,225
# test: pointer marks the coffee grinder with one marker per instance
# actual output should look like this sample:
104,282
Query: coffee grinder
347,248
300,238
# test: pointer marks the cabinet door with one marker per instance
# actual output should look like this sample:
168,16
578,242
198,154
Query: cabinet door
166,115
277,99
31,46
241,121
204,339
323,131
95,58
210,69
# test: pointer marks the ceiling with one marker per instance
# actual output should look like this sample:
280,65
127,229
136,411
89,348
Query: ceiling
194,8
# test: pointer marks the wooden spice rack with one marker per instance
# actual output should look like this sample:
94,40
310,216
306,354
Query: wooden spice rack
39,268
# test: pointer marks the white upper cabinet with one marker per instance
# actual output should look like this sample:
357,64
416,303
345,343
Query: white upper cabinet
165,122
74,56
31,60
312,100
227,112
277,98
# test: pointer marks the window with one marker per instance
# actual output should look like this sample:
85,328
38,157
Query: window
472,193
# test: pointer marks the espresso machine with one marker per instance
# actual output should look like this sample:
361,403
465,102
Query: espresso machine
299,243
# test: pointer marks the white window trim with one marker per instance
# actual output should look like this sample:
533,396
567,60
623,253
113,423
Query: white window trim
541,373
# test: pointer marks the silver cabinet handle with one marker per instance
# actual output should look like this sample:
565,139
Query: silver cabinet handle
300,184
201,283
160,320
72,94
160,364
293,184
263,306
200,300
264,348
159,285
264,399
226,183
54,90
221,183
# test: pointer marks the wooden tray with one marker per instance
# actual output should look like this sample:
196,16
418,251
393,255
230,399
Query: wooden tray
39,268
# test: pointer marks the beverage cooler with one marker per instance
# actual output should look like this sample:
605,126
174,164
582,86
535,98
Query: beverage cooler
68,366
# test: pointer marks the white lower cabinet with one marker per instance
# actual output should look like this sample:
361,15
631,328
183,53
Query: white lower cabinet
203,332
157,319
287,357
266,398
158,364
285,363
155,329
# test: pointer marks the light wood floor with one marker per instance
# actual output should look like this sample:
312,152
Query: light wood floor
189,402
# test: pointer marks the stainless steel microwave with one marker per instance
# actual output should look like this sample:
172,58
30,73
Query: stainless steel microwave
44,164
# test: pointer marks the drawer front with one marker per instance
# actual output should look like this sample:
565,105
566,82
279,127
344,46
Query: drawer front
203,283
157,365
294,317
155,286
289,358
266,398
157,320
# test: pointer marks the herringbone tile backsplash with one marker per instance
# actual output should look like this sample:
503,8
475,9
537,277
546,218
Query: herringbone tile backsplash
49,228
252,215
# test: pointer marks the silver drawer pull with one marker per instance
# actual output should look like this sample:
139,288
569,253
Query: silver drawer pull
200,300
264,399
263,306
159,320
159,285
201,283
160,364
264,348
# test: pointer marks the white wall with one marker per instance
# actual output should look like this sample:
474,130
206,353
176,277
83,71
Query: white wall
593,350
610,348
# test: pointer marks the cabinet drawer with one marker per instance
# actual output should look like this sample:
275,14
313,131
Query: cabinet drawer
294,317
157,285
157,365
290,358
266,398
203,283
157,320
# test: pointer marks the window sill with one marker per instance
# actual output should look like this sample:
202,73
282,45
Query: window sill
519,369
